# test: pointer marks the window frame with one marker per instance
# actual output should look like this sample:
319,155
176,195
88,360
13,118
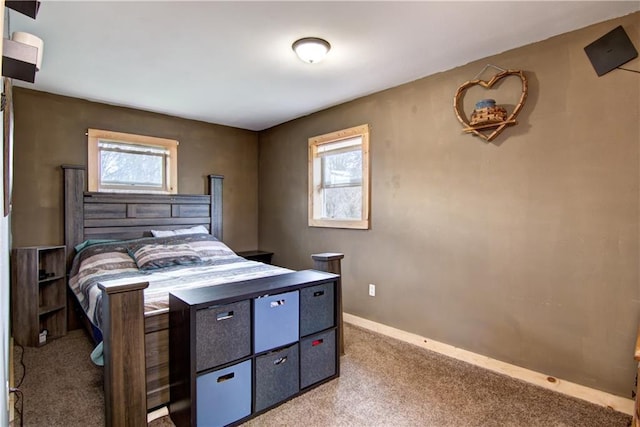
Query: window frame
316,184
170,170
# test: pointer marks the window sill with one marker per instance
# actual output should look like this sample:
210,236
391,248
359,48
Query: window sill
336,223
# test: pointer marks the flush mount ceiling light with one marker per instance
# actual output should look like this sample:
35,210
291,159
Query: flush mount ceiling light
311,49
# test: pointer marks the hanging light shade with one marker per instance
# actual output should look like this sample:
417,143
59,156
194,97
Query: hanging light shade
22,56
311,49
31,40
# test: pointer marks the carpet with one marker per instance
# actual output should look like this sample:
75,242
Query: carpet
383,382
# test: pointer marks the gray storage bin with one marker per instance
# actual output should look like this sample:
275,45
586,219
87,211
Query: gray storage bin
316,308
224,396
317,358
223,334
276,377
275,320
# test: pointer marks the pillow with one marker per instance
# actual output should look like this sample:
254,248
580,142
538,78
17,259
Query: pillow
192,230
210,248
150,257
92,242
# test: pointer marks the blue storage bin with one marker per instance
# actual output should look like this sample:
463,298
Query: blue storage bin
224,396
275,320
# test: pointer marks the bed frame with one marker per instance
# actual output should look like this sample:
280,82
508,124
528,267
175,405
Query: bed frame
136,346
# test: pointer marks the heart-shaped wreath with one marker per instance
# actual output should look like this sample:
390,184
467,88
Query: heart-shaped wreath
495,128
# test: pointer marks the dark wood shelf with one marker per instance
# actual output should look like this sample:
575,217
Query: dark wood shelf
50,309
49,279
38,304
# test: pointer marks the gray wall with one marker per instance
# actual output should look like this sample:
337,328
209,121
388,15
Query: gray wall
50,131
525,249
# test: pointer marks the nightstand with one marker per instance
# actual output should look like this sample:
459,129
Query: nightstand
260,256
38,294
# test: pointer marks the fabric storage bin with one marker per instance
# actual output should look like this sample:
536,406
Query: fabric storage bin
276,377
317,358
223,334
316,308
275,320
224,396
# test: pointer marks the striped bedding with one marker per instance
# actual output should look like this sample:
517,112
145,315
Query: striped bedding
213,264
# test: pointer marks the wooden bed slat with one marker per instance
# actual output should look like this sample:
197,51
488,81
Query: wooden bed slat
158,397
123,211
190,211
146,198
155,342
105,210
142,222
156,322
148,210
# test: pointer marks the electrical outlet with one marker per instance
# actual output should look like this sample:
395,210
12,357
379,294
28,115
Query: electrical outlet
372,290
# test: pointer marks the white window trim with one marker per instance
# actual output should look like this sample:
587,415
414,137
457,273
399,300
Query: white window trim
314,179
96,135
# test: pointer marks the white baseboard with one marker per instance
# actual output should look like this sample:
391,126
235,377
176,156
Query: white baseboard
158,413
598,397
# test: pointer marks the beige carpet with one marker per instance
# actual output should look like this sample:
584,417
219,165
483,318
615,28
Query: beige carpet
383,382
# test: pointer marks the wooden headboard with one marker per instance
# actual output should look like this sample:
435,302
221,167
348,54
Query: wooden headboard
129,216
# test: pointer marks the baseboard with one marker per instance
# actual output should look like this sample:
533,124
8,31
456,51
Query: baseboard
158,413
598,397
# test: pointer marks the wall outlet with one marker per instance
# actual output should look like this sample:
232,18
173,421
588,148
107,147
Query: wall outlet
372,290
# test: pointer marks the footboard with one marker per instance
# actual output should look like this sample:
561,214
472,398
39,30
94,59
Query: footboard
136,352
156,339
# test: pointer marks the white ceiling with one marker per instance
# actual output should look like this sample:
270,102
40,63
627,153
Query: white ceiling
231,62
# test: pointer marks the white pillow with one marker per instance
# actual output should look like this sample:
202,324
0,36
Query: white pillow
198,229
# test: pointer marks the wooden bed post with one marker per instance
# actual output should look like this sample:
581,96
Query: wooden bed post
74,188
125,381
215,190
331,263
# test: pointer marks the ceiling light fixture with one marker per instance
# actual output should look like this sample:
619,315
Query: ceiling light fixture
22,56
311,49
31,40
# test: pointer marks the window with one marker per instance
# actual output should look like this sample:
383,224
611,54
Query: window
127,163
339,179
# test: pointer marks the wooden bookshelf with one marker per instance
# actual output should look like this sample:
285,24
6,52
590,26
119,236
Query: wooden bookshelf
38,294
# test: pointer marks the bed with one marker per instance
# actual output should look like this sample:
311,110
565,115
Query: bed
136,361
